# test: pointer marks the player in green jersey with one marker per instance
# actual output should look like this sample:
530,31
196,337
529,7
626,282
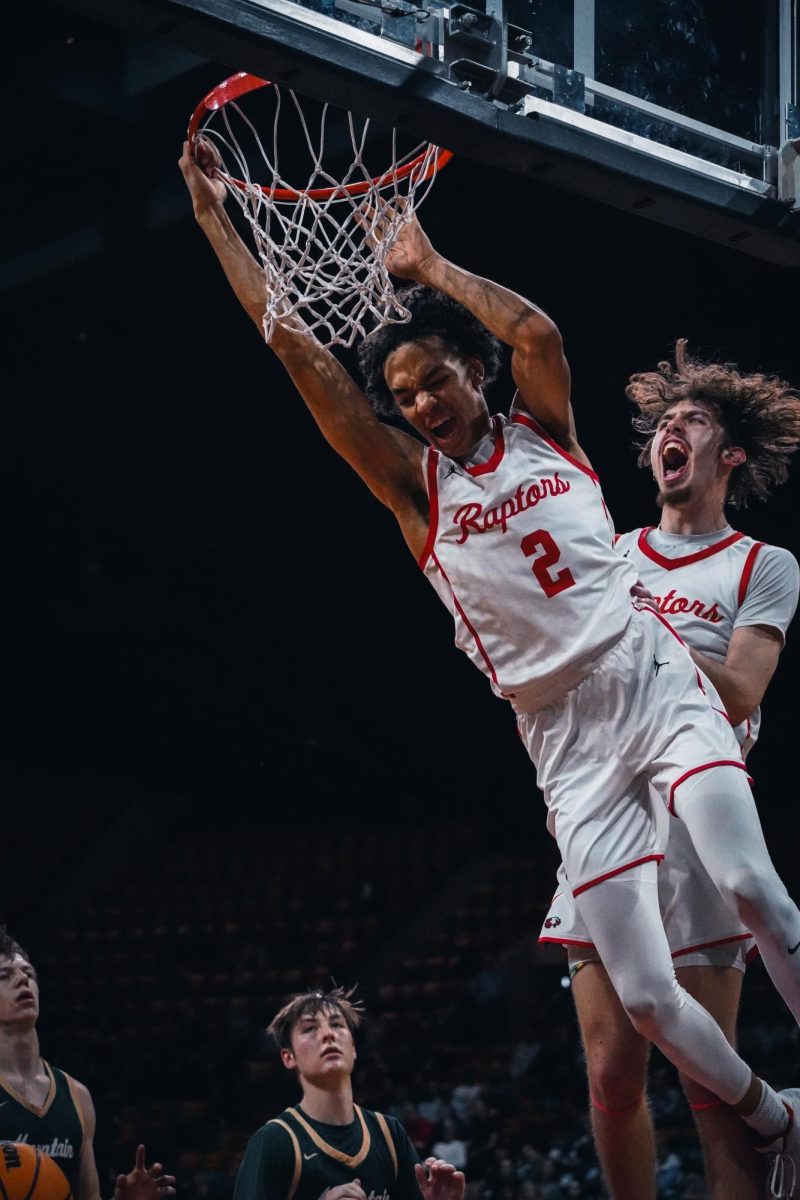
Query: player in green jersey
44,1106
327,1143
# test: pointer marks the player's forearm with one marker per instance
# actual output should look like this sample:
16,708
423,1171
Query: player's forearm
736,690
241,269
510,317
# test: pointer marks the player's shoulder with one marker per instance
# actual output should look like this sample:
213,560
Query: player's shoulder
79,1090
775,559
274,1141
397,1130
625,542
274,1130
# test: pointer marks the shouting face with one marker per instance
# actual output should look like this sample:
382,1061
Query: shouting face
439,393
689,456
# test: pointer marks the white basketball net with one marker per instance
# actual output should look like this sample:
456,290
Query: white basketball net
324,259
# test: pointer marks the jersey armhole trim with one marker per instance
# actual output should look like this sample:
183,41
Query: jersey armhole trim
296,1146
520,418
70,1082
384,1124
433,506
747,571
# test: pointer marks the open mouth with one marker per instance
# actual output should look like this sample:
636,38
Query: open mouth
444,429
674,460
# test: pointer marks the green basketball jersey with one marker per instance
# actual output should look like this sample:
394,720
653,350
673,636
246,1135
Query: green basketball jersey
56,1128
296,1158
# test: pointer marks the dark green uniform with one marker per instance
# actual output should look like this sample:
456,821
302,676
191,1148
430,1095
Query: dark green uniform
295,1158
56,1128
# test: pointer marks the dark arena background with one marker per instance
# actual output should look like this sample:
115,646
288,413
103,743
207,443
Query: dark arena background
242,755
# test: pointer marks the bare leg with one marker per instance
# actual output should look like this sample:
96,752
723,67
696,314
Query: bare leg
616,1064
734,1170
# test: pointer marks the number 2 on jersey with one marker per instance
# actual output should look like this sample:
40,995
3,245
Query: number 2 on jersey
551,584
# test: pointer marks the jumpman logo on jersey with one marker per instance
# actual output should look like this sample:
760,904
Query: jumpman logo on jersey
451,470
657,665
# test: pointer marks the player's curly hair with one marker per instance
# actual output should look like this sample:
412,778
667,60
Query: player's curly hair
9,946
760,413
432,314
308,1004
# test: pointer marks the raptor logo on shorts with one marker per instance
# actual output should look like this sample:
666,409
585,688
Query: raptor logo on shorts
552,922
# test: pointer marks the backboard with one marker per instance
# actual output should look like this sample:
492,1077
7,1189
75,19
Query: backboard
670,110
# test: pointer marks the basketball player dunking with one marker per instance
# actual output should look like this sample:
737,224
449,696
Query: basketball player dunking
328,1144
731,598
44,1106
506,519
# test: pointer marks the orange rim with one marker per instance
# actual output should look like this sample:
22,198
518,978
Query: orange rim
240,84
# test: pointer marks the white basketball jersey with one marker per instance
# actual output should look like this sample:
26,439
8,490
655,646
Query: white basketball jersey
708,584
520,549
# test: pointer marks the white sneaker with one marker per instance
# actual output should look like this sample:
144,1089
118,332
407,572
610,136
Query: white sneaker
783,1175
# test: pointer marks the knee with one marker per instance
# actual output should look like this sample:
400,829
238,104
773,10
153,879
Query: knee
649,1007
750,893
616,1083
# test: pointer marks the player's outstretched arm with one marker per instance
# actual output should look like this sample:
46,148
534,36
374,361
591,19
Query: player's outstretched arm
199,166
439,1180
540,369
389,461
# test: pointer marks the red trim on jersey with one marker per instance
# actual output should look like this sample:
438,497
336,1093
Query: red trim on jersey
749,563
433,506
468,623
525,419
720,762
560,941
496,457
617,536
752,955
584,887
735,937
706,1106
669,564
648,608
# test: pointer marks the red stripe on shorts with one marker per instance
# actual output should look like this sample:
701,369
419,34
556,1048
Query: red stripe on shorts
584,887
722,762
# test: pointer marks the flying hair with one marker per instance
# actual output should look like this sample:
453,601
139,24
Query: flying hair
760,413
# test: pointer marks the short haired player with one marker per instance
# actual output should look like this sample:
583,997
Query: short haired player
506,518
714,436
45,1106
327,1144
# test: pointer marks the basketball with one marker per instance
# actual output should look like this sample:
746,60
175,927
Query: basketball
28,1174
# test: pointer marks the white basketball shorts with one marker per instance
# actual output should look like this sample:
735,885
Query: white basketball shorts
643,722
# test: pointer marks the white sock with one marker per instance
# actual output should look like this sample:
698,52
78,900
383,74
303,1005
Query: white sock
769,1117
